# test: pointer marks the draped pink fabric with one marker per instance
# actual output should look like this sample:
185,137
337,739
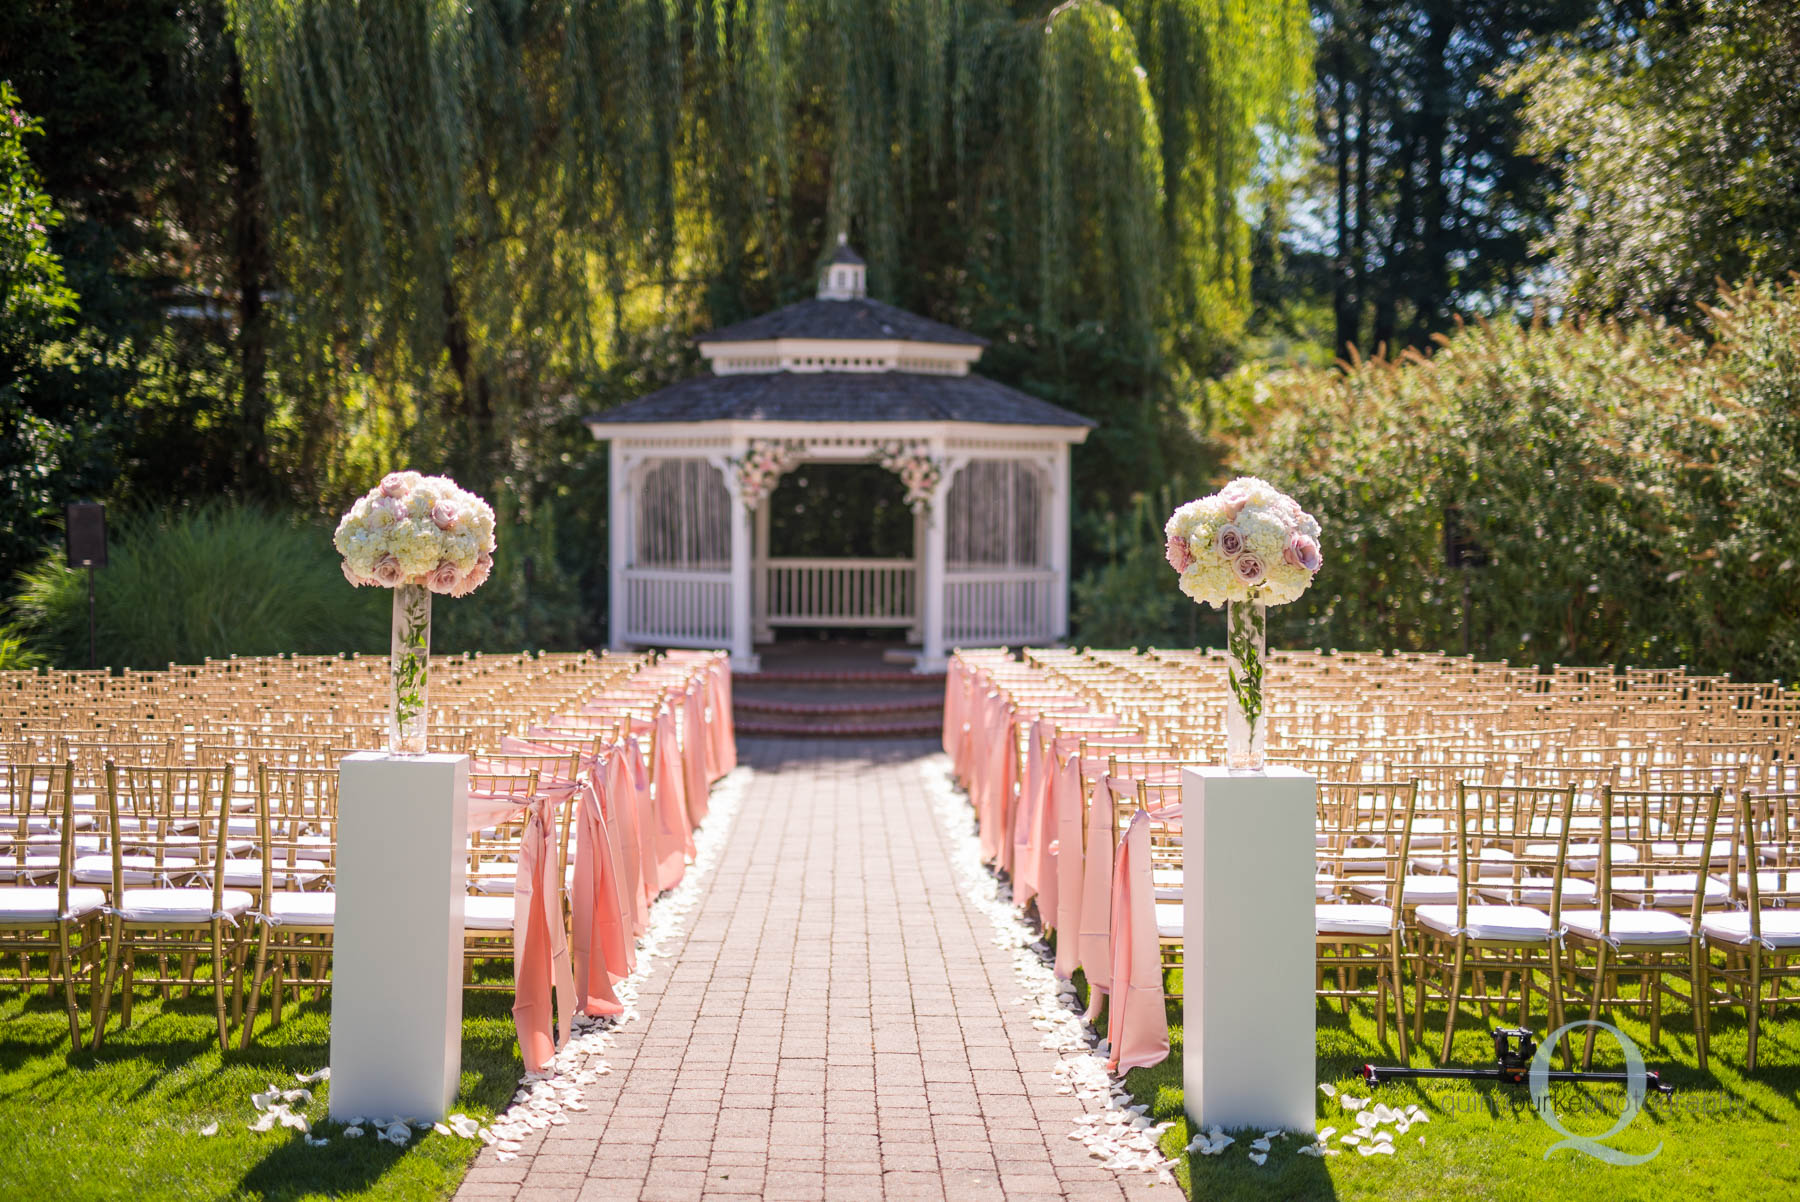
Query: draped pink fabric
956,687
694,780
674,838
1065,801
1094,951
647,823
604,951
1024,821
724,738
1137,1025
1039,855
541,965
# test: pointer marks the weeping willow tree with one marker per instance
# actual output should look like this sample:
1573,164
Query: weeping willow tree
490,209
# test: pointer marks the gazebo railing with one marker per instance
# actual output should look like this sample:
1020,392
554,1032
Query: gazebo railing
1002,607
840,592
677,607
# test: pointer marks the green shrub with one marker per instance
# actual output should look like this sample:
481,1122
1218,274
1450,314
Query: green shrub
214,581
16,653
1633,490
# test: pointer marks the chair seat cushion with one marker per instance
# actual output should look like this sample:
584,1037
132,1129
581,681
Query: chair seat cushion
1584,856
1535,891
1415,890
178,905
33,867
1165,884
1780,928
487,913
1447,862
1690,848
37,903
1346,918
1169,920
247,873
1503,924
1669,890
1650,927
138,870
502,878
287,909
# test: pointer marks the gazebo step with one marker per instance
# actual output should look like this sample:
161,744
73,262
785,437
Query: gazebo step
857,678
839,709
838,730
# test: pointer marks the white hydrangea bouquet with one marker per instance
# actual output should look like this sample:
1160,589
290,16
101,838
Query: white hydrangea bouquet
1246,547
417,535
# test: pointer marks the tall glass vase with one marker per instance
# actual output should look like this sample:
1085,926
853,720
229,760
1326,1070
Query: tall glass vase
1246,716
409,670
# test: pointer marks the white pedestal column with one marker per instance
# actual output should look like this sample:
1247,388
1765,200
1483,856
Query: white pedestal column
1248,1039
396,987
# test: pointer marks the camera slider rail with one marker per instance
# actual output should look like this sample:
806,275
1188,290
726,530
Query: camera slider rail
1514,1049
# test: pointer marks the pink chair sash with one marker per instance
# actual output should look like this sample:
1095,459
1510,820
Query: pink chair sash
694,750
1137,1024
1065,800
604,951
1032,799
1094,951
674,841
724,737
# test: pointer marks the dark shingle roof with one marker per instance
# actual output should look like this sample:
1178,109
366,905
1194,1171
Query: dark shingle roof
843,254
859,318
838,396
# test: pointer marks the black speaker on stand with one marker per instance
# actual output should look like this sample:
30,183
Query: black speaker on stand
85,522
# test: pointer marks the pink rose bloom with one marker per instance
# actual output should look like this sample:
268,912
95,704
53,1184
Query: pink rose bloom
1302,551
445,515
1234,500
352,577
393,485
1229,541
444,578
484,564
1179,556
387,572
1249,569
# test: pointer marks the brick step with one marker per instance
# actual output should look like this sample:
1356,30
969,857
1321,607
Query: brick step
831,709
752,679
838,730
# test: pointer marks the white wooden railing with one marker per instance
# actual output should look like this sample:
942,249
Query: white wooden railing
840,592
995,608
677,608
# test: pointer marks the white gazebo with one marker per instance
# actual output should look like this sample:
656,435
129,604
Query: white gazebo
840,378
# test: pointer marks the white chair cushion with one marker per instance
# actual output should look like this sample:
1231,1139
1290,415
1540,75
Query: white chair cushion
33,867
299,909
1689,848
1780,928
1324,885
178,905
138,870
501,878
247,874
1169,923
1768,880
1653,927
1447,862
487,913
1165,884
1535,891
1506,924
1584,857
1415,891
37,903
1365,859
1340,918
1669,890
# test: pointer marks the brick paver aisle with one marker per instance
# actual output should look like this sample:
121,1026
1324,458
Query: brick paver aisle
837,1023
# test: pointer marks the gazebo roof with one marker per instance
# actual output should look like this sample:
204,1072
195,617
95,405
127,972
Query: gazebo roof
859,319
840,396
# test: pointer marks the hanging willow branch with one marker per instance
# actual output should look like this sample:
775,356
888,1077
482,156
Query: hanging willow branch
516,169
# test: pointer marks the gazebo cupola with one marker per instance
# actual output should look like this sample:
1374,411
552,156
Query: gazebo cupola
839,377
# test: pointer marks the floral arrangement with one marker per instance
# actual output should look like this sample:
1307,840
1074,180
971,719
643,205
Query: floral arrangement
1247,542
420,530
918,471
1248,546
762,467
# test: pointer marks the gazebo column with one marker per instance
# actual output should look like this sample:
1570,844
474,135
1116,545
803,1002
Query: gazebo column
761,632
1060,497
743,651
619,527
934,656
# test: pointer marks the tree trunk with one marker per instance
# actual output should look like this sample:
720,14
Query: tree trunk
1359,255
1343,302
1431,275
477,401
251,260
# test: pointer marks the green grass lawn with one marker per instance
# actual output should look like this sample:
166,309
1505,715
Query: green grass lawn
1725,1134
125,1122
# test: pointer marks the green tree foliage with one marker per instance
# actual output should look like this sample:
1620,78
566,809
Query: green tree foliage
483,206
1631,487
217,580
1680,146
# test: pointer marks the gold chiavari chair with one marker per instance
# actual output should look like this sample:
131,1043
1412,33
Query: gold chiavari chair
1760,943
57,921
1359,917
